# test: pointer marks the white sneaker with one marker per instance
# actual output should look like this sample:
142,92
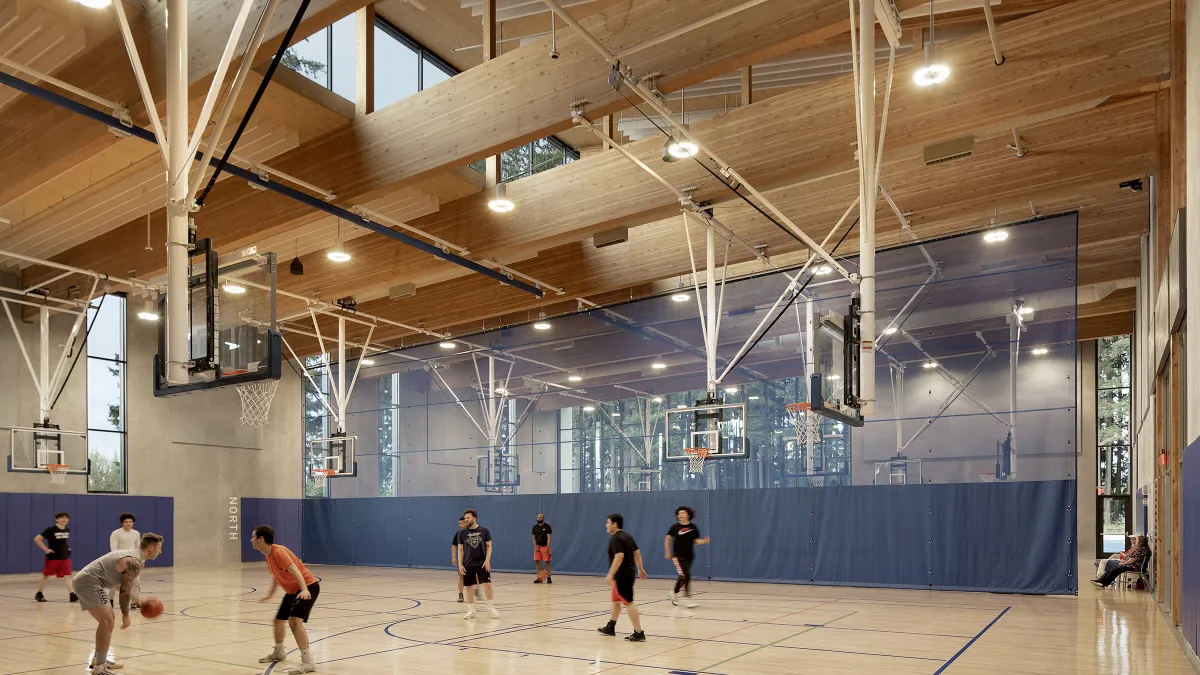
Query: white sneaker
101,669
470,614
305,667
674,598
494,612
275,655
689,604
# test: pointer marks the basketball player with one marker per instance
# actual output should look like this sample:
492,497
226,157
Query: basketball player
55,543
686,537
454,556
542,534
124,538
475,561
114,569
300,591
625,565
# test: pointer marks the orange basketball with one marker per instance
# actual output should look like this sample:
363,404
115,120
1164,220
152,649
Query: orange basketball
542,574
151,607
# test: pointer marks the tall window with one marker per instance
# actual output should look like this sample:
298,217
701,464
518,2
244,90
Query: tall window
404,66
317,422
106,394
533,157
327,57
1113,413
389,387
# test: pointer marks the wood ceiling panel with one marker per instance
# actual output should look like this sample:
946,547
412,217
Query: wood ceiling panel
1108,325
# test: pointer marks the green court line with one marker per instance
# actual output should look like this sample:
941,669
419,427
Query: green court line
708,668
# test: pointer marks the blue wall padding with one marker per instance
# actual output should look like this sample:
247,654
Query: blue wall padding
93,518
1004,537
281,514
1190,551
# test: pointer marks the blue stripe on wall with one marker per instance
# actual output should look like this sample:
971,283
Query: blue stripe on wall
1190,551
93,518
1002,537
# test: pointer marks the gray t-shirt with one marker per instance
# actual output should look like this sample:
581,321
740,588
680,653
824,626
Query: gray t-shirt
104,568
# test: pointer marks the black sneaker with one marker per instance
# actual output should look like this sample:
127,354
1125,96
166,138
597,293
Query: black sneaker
39,597
537,580
460,598
609,628
549,580
639,636
74,598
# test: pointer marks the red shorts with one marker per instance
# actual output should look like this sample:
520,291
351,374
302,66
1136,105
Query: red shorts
57,568
541,553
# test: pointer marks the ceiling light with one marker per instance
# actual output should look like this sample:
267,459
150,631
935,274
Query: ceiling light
447,345
367,362
822,270
935,70
753,398
95,4
681,297
1024,310
232,345
890,330
929,364
233,288
994,236
541,325
833,376
574,378
658,365
657,399
588,408
1041,351
501,203
297,267
680,406
148,313
616,414
338,255
675,150
731,390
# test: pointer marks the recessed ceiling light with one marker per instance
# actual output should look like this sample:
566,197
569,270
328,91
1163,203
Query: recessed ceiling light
1025,310
994,236
657,399
367,362
681,297
233,288
574,378
753,398
616,414
231,345
338,255
890,330
541,325
929,364
501,203
588,408
834,376
447,345
822,270
95,4
680,406
1041,351
501,390
658,365
731,390
148,313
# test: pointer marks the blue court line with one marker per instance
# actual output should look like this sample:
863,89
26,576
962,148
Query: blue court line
946,665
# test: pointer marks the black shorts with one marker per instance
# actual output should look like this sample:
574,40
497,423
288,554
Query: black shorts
623,590
293,606
476,576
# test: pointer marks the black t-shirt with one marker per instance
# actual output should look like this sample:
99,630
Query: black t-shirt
454,541
541,533
621,542
58,542
684,537
474,543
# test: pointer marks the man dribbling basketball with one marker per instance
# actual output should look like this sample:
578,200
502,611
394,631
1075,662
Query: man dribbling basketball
114,569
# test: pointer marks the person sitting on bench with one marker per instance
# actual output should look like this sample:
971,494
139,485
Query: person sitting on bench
1131,563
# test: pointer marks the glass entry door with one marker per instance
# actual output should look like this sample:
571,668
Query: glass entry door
1114,524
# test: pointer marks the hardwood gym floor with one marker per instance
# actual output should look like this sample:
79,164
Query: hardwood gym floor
380,620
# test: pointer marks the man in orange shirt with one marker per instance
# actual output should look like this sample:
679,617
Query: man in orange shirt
301,590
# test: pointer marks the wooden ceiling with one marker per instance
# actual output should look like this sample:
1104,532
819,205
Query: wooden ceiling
1078,83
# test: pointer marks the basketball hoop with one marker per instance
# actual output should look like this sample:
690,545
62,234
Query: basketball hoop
322,476
58,473
806,423
256,401
696,457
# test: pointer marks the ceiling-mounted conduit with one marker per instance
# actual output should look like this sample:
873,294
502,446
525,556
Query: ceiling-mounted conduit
256,180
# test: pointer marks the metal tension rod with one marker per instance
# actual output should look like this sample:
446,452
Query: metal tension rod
254,179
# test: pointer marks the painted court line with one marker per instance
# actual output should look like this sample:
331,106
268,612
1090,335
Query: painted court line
771,644
946,665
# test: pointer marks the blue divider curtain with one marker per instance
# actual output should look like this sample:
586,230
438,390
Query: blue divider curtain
93,518
1190,543
1002,537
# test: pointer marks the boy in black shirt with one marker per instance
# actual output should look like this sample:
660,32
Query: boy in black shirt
686,537
475,561
55,543
542,534
625,566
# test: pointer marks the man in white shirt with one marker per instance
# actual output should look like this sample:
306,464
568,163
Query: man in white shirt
125,538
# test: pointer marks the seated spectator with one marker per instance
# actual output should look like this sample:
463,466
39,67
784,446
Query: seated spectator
1117,558
1131,563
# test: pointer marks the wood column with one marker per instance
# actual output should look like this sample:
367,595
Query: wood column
608,124
747,86
491,164
364,61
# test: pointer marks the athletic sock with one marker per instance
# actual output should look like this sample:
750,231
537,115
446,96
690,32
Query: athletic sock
306,655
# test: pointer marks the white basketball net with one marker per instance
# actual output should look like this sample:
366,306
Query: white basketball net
58,473
256,401
807,424
321,476
696,457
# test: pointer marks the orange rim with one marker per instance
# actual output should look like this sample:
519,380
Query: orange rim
703,452
55,468
799,406
324,472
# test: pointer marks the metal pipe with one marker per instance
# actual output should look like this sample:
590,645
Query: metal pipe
22,68
44,362
373,215
1014,349
140,75
341,379
866,225
239,78
670,35
21,343
177,195
714,319
991,24
508,270
511,39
